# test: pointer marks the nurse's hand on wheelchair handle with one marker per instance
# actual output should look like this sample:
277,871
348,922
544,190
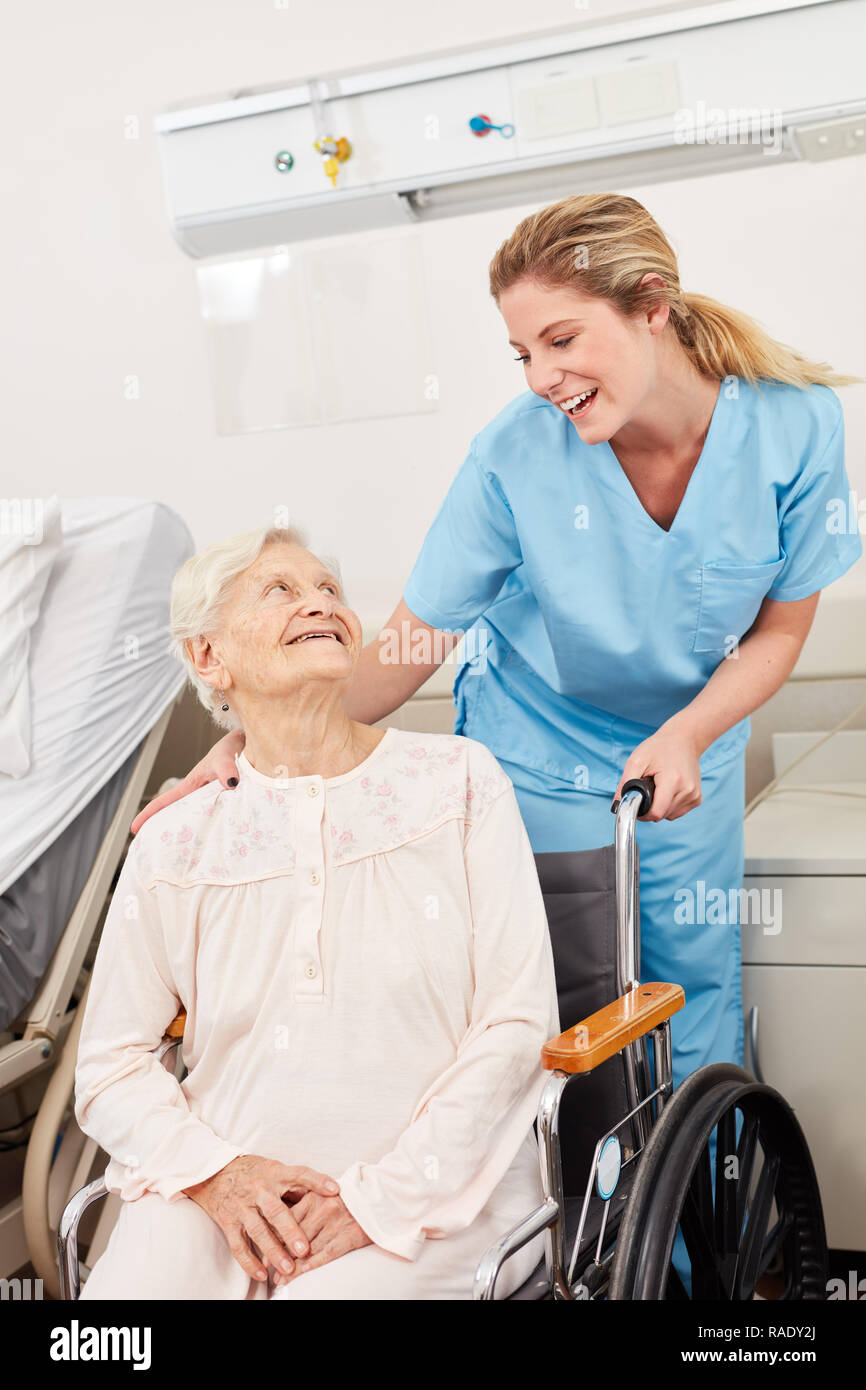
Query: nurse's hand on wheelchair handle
671,757
218,763
249,1199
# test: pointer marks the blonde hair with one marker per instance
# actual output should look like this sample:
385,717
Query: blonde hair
200,588
603,244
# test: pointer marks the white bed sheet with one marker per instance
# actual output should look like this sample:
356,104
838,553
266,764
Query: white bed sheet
100,669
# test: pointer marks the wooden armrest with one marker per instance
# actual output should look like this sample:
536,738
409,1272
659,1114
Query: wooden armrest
175,1029
603,1034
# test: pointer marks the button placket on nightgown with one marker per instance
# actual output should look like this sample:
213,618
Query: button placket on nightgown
310,885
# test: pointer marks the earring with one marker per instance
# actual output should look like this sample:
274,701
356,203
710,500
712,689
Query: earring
221,696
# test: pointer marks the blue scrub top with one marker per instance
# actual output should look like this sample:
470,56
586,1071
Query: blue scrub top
588,625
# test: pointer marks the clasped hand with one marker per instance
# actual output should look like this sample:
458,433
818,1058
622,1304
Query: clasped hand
288,1219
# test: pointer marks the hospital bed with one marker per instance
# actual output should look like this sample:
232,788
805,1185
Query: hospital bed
103,687
625,1161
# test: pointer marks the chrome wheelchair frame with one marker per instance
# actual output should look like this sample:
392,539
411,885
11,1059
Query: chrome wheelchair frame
550,1216
70,1220
734,1233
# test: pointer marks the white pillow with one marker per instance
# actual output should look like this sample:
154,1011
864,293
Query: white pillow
30,540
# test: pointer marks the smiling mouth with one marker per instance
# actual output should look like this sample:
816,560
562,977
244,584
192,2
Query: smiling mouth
310,636
578,405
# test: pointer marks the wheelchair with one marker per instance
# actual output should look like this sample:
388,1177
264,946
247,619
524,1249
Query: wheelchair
626,1163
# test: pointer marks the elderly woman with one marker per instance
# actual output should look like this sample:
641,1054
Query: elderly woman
358,936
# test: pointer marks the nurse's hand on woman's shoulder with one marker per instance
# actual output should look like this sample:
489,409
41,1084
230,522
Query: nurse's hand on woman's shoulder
218,763
671,757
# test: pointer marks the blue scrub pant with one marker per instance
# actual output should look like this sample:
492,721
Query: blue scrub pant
691,871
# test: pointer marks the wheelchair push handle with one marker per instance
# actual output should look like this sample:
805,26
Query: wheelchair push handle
645,785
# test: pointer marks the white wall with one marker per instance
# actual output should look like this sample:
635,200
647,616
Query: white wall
95,289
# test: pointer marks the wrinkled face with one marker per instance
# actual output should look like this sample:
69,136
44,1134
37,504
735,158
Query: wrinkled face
263,640
571,344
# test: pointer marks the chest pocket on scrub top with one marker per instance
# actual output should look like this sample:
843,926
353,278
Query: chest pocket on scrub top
730,598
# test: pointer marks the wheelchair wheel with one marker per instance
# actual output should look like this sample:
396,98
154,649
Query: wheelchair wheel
763,1207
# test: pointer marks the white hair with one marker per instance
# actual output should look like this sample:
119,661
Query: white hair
200,588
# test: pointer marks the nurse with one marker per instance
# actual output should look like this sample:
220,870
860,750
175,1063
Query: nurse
634,548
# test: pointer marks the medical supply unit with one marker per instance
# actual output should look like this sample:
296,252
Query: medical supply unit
804,962
596,106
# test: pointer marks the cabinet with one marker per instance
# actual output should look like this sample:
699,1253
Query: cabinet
807,981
